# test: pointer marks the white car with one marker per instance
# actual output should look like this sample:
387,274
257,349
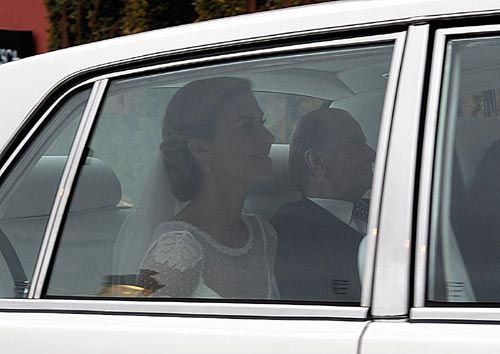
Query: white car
79,200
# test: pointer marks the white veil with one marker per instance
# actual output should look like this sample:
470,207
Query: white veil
156,205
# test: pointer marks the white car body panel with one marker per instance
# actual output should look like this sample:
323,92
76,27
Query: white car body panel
82,334
443,338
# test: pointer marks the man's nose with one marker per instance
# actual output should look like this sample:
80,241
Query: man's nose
370,153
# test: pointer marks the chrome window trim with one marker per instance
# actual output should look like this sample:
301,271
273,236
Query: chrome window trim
187,308
327,311
427,168
392,269
64,190
380,168
425,194
455,314
484,29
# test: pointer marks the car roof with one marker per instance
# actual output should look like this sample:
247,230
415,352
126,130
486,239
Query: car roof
26,81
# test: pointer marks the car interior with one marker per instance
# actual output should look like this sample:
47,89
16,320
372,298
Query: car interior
99,245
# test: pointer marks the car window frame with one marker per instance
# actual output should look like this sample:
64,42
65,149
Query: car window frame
392,269
421,312
196,307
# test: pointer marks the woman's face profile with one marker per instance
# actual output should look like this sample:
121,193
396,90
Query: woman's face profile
242,142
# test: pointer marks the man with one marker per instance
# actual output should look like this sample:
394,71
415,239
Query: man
319,235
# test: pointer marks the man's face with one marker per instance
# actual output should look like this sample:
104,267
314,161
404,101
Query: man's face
348,159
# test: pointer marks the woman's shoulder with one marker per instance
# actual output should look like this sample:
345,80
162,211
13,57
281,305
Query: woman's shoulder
174,225
175,246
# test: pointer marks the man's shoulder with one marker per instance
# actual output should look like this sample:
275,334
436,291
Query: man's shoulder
302,212
298,207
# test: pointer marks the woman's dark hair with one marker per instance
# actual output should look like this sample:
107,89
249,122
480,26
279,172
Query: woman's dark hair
193,113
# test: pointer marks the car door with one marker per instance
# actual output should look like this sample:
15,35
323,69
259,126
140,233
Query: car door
454,307
80,206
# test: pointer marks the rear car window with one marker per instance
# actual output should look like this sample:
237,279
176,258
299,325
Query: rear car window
242,181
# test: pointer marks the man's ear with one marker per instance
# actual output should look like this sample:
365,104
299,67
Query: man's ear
200,149
315,163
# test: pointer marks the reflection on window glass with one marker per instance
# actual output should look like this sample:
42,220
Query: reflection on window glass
465,242
282,111
27,194
248,180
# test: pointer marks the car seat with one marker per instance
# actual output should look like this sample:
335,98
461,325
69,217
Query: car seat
88,234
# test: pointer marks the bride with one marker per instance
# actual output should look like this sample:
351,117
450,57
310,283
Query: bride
215,147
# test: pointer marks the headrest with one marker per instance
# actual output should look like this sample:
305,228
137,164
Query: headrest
281,181
98,187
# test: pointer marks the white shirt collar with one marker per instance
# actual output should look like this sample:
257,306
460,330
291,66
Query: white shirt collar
340,208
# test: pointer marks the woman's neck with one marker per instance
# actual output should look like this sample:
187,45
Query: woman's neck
216,209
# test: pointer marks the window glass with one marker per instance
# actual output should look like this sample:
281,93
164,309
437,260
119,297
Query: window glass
27,194
189,194
465,245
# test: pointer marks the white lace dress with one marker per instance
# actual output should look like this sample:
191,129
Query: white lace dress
185,261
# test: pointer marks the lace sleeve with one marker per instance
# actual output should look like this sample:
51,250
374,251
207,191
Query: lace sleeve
172,265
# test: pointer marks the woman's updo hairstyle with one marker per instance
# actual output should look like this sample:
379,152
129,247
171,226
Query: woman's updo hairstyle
192,113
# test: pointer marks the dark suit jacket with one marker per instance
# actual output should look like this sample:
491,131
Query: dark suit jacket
317,254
